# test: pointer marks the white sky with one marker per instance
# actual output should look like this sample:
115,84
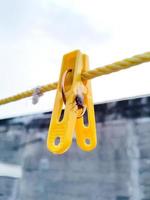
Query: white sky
34,35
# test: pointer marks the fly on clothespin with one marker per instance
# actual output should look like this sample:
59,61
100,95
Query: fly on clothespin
76,96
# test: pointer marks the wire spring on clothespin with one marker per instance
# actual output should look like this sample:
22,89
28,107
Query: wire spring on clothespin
36,95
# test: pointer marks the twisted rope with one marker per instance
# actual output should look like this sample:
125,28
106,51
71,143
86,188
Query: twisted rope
107,69
117,66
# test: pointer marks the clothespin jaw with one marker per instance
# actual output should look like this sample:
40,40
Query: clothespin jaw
61,131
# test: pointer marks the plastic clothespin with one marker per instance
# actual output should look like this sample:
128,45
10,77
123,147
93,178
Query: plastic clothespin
61,131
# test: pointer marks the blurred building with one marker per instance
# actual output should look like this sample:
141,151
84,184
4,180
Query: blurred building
118,169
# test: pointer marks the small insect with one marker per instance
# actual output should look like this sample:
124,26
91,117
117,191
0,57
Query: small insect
79,98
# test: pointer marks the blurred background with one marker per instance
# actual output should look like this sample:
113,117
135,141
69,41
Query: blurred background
118,169
34,35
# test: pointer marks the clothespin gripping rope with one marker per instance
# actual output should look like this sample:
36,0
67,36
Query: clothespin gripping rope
114,67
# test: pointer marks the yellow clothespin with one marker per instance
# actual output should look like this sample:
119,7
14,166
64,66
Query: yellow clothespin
76,95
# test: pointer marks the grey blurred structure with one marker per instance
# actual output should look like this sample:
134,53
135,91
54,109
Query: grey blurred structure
118,169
